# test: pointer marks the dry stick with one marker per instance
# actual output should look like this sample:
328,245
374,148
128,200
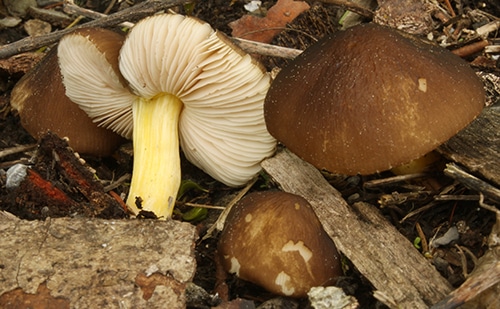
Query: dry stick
350,6
377,249
110,6
133,13
419,210
423,239
483,31
117,183
492,49
253,47
371,184
470,49
74,9
16,149
204,206
454,171
219,224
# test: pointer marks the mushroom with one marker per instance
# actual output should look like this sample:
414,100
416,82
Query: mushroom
370,98
39,97
275,240
189,83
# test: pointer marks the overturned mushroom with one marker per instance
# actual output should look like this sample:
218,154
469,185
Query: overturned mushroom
188,83
39,97
371,98
275,240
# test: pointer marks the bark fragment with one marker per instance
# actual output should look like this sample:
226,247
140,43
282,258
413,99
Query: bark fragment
95,263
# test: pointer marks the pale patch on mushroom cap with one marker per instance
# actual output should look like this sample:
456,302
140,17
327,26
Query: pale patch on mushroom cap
283,280
283,248
93,81
302,249
235,266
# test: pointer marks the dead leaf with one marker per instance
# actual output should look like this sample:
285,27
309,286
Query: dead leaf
264,29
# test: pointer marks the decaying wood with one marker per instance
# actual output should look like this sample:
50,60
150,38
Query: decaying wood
387,259
477,147
93,263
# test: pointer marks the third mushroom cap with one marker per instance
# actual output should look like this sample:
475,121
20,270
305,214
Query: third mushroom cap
371,98
189,86
274,239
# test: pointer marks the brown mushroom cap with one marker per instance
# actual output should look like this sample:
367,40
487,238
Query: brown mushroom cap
371,98
275,240
40,99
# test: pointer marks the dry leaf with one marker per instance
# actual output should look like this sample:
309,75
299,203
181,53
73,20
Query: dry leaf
264,29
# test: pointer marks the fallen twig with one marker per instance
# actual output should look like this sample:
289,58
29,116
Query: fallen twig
350,6
16,149
134,13
472,182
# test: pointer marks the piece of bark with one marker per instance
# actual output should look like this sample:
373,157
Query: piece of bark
95,263
477,147
58,184
387,259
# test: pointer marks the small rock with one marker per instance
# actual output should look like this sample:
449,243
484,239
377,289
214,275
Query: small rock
15,175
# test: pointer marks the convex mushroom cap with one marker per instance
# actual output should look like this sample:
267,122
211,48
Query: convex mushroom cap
371,98
275,240
40,99
187,86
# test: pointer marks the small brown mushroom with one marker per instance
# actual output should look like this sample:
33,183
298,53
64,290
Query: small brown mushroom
371,98
40,99
275,240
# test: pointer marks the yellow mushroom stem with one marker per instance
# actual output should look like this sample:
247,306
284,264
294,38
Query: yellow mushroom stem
419,165
156,175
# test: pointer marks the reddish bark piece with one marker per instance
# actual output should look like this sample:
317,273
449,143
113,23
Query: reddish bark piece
49,190
41,300
59,185
264,29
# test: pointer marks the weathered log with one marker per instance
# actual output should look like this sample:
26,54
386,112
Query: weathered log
477,147
94,263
